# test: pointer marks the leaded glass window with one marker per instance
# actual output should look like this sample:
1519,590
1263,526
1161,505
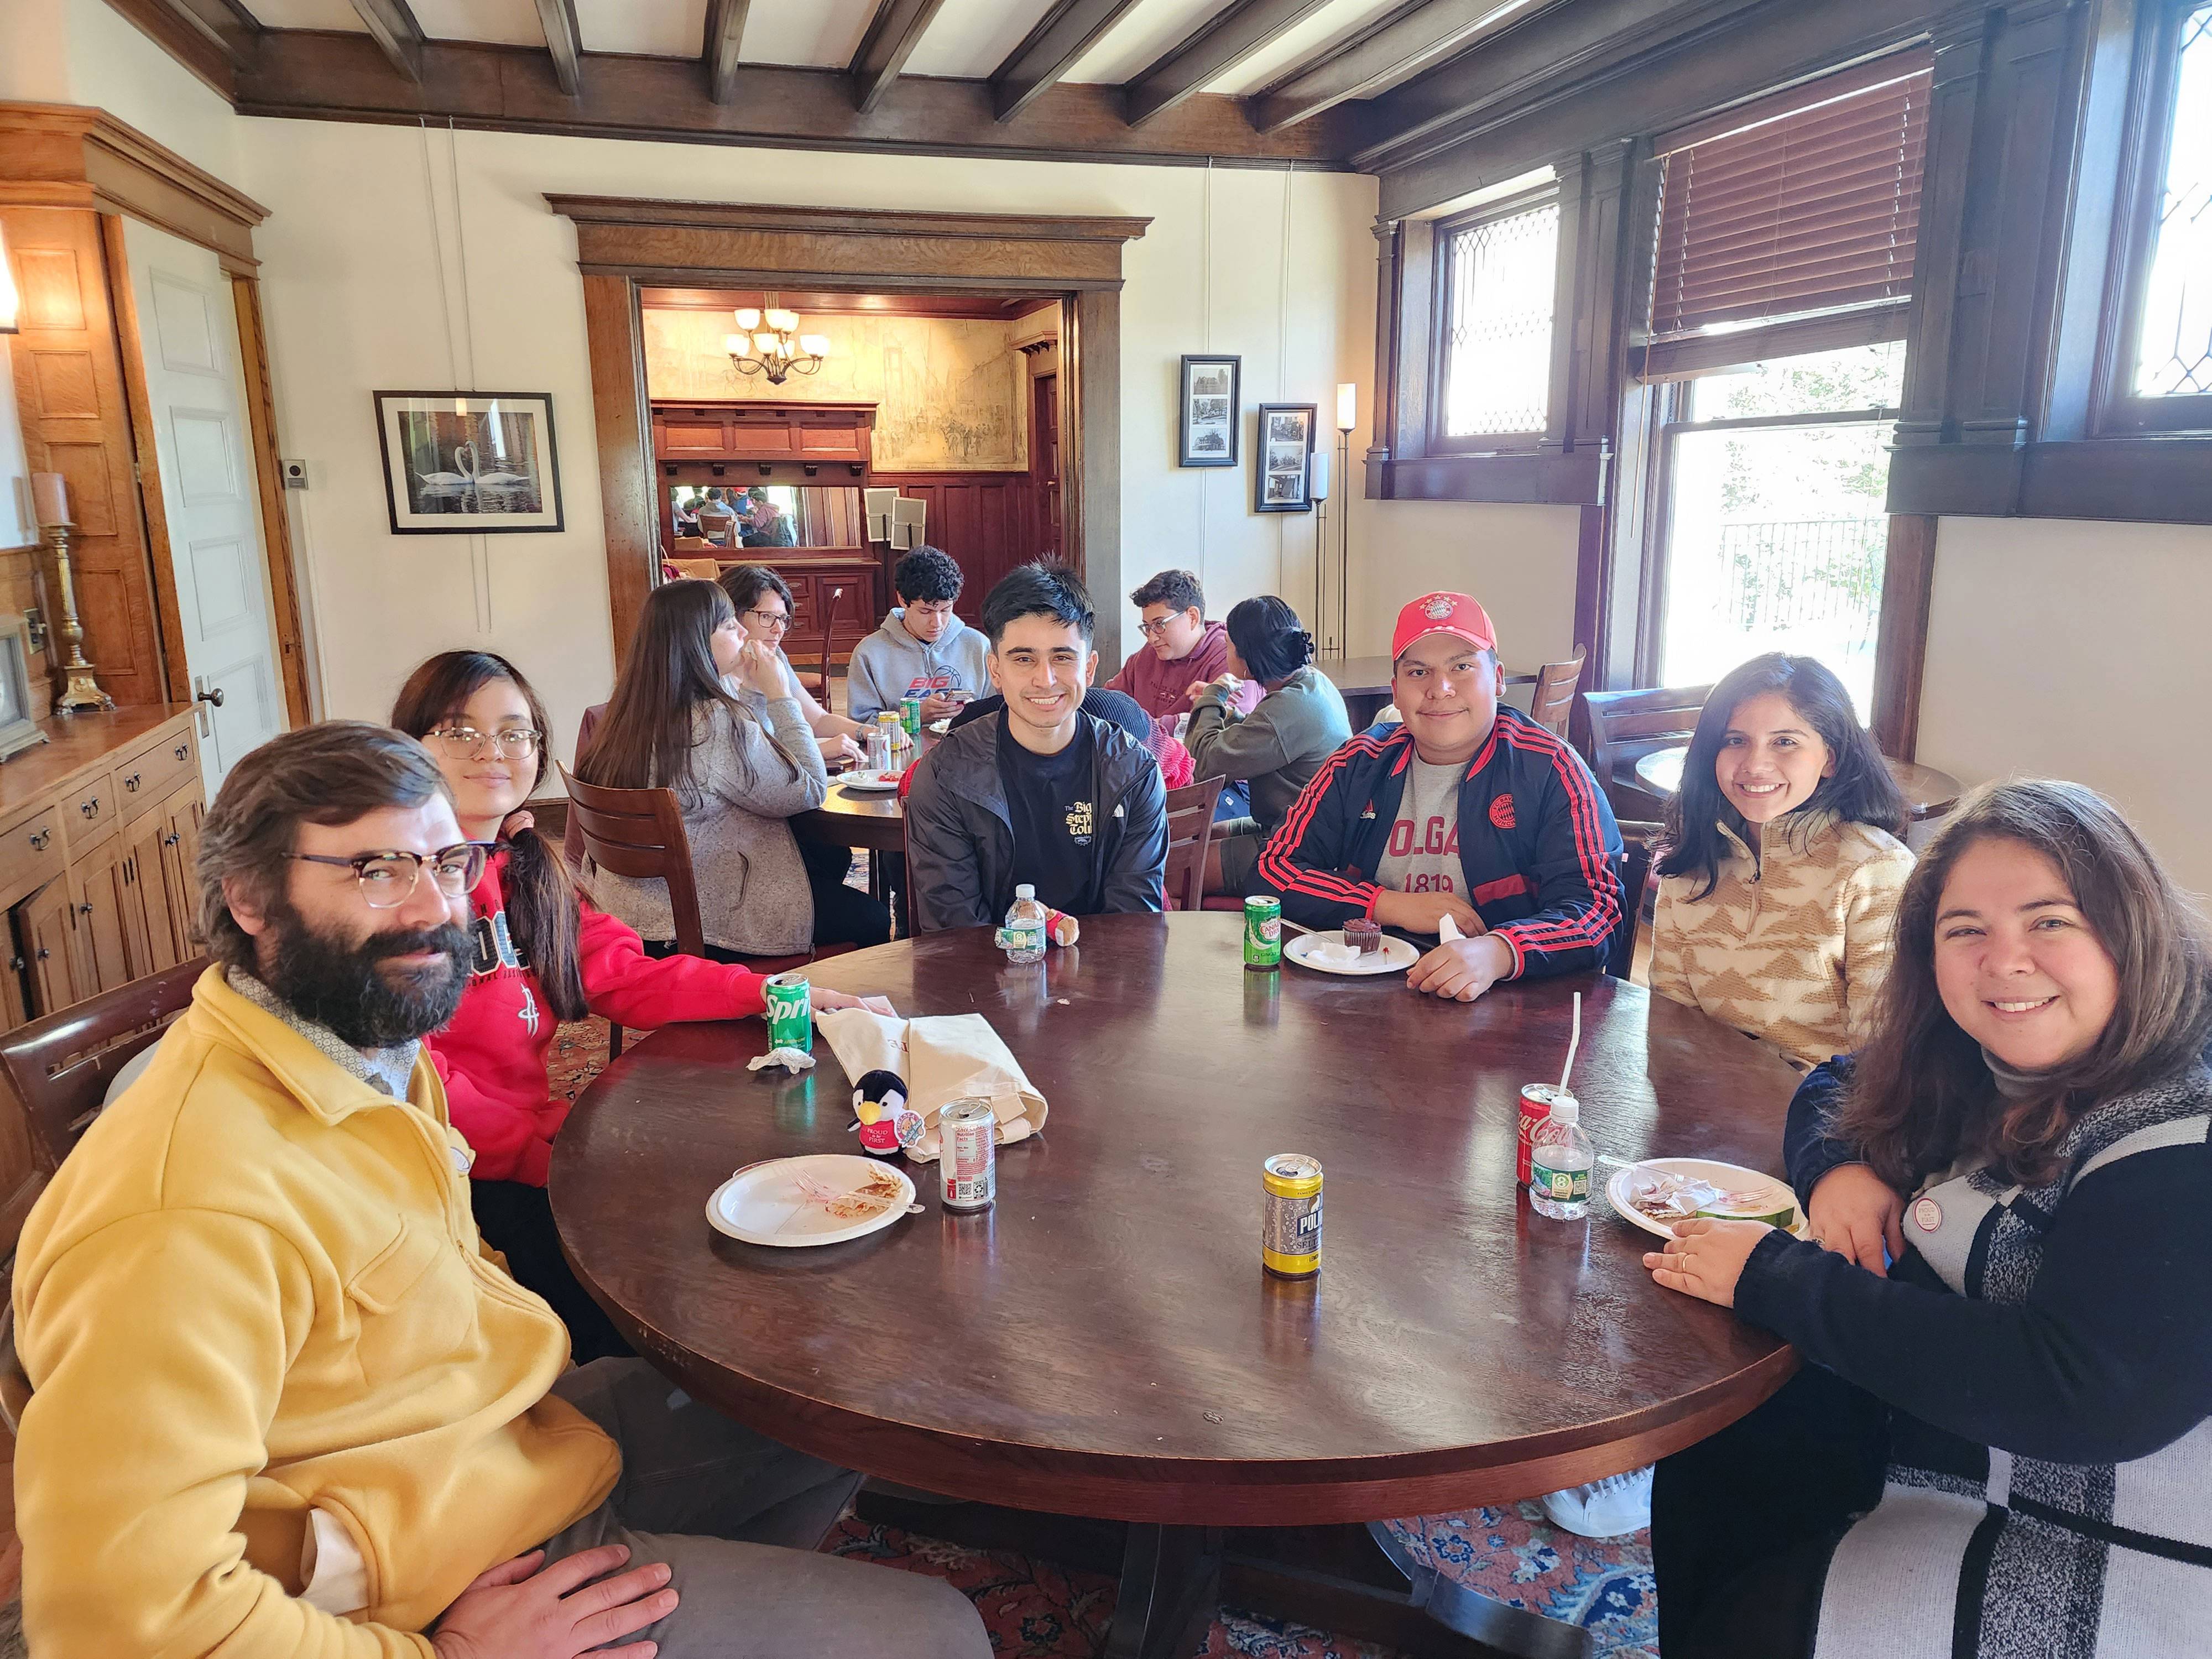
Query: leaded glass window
2174,347
1498,278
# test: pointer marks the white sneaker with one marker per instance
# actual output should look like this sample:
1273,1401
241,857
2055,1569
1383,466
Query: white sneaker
1618,1503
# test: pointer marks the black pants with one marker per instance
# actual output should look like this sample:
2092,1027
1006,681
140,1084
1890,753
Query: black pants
517,1220
1743,1524
842,915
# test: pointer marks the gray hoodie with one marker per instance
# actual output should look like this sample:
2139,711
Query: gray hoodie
892,664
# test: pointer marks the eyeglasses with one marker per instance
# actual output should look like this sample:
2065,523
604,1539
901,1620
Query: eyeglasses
778,620
1156,631
388,879
515,743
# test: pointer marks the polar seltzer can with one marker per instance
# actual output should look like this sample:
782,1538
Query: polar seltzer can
1263,934
790,1011
910,715
1290,1233
967,1155
1537,1100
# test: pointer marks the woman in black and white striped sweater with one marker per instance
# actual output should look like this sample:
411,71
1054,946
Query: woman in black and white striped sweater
2003,1443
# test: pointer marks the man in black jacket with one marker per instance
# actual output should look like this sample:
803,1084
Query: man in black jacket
1468,810
1043,794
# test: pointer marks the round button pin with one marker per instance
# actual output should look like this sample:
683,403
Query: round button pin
1927,1215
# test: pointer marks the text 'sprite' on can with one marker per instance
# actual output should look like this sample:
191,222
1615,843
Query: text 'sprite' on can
790,1011
1536,1102
967,1155
1290,1234
910,715
1263,932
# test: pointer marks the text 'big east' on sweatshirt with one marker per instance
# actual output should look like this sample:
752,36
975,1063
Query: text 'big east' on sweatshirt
491,1054
892,664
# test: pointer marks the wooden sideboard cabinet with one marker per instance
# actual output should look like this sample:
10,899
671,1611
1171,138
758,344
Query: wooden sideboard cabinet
99,836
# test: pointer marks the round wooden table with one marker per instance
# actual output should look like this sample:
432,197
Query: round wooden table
1928,793
1104,1342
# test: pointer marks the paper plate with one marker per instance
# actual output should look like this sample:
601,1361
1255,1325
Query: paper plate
1732,1177
1394,958
763,1204
870,783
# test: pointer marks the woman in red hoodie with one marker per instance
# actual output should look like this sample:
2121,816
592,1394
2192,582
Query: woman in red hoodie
544,953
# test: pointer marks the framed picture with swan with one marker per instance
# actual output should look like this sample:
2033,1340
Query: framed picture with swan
461,462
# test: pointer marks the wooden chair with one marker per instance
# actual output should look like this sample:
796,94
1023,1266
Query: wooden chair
1626,725
1190,832
60,1067
704,570
1639,843
572,836
691,543
1552,698
831,598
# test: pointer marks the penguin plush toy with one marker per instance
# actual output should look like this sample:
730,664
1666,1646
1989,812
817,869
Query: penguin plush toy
888,1124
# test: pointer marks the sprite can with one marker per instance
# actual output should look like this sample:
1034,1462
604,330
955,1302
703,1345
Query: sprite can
790,1012
910,715
1263,934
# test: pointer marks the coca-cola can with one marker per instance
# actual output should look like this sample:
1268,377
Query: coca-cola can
1537,1100
967,1155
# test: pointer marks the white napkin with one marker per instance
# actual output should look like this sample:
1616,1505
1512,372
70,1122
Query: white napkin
1449,933
943,1058
792,1060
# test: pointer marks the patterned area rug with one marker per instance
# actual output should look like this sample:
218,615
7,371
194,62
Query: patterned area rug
1039,1610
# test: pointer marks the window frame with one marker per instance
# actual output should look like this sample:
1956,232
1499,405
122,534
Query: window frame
1529,442
2119,411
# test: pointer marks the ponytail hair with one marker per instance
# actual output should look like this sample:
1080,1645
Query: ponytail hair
543,908
1267,635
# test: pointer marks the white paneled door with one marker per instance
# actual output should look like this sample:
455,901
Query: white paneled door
188,339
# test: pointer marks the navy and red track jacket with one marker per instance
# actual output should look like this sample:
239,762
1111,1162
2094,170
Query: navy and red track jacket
1537,843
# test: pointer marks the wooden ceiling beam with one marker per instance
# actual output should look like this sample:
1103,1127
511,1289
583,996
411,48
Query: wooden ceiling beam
558,18
1402,45
893,33
392,25
1062,36
726,33
1209,51
318,76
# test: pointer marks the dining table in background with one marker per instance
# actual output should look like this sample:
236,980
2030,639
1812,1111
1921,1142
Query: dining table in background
1104,1343
870,821
1364,683
1929,793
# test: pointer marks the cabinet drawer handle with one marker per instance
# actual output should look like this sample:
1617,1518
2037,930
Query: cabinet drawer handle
182,750
44,953
15,964
84,909
171,839
91,808
132,782
39,841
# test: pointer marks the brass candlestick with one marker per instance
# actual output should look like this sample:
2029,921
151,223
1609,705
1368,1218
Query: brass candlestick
82,691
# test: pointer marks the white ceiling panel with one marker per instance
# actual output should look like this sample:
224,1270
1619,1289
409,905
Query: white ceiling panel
502,22
1309,39
659,29
305,15
970,37
826,33
1143,38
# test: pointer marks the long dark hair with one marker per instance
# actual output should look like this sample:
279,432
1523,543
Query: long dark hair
1862,790
645,740
1267,636
1921,1095
543,915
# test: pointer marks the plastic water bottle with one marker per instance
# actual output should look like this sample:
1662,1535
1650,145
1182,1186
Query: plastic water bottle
1023,933
1560,1162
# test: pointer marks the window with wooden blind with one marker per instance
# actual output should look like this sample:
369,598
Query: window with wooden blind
1795,215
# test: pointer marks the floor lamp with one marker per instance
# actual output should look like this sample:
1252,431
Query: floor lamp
1347,416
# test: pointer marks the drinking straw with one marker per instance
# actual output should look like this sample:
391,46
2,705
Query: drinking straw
1574,1042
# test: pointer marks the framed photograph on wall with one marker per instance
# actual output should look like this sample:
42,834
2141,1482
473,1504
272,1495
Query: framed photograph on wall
1208,413
457,462
1287,440
19,717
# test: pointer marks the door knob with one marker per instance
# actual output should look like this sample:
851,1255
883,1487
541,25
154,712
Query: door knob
212,696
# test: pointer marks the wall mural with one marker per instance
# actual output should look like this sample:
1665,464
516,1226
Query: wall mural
950,393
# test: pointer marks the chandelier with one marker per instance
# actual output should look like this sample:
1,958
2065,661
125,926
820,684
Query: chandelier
768,342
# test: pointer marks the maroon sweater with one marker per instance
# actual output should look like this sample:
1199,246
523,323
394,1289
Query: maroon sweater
1160,685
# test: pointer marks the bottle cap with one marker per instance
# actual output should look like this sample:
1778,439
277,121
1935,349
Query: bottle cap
1025,891
1565,1111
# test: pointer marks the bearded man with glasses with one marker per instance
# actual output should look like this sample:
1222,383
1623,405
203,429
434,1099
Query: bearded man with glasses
274,1395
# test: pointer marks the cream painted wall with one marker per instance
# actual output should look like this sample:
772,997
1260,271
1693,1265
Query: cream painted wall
361,294
83,52
2067,649
18,527
1518,560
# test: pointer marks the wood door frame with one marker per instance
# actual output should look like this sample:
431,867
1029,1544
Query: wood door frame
625,244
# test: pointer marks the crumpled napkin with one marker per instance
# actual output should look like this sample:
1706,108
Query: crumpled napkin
943,1058
792,1060
1449,933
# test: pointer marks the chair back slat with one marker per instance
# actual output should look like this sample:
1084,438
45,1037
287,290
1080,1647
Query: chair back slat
1626,725
1553,698
640,833
1190,832
1639,843
58,1068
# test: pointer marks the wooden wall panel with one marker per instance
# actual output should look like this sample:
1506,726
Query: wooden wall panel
985,520
77,421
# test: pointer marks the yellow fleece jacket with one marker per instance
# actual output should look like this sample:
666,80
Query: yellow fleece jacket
254,1289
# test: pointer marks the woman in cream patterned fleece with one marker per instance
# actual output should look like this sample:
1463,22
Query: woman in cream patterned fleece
1779,882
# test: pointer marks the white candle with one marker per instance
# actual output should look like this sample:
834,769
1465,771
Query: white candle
50,498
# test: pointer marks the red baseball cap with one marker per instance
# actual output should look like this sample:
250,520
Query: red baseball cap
1442,613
